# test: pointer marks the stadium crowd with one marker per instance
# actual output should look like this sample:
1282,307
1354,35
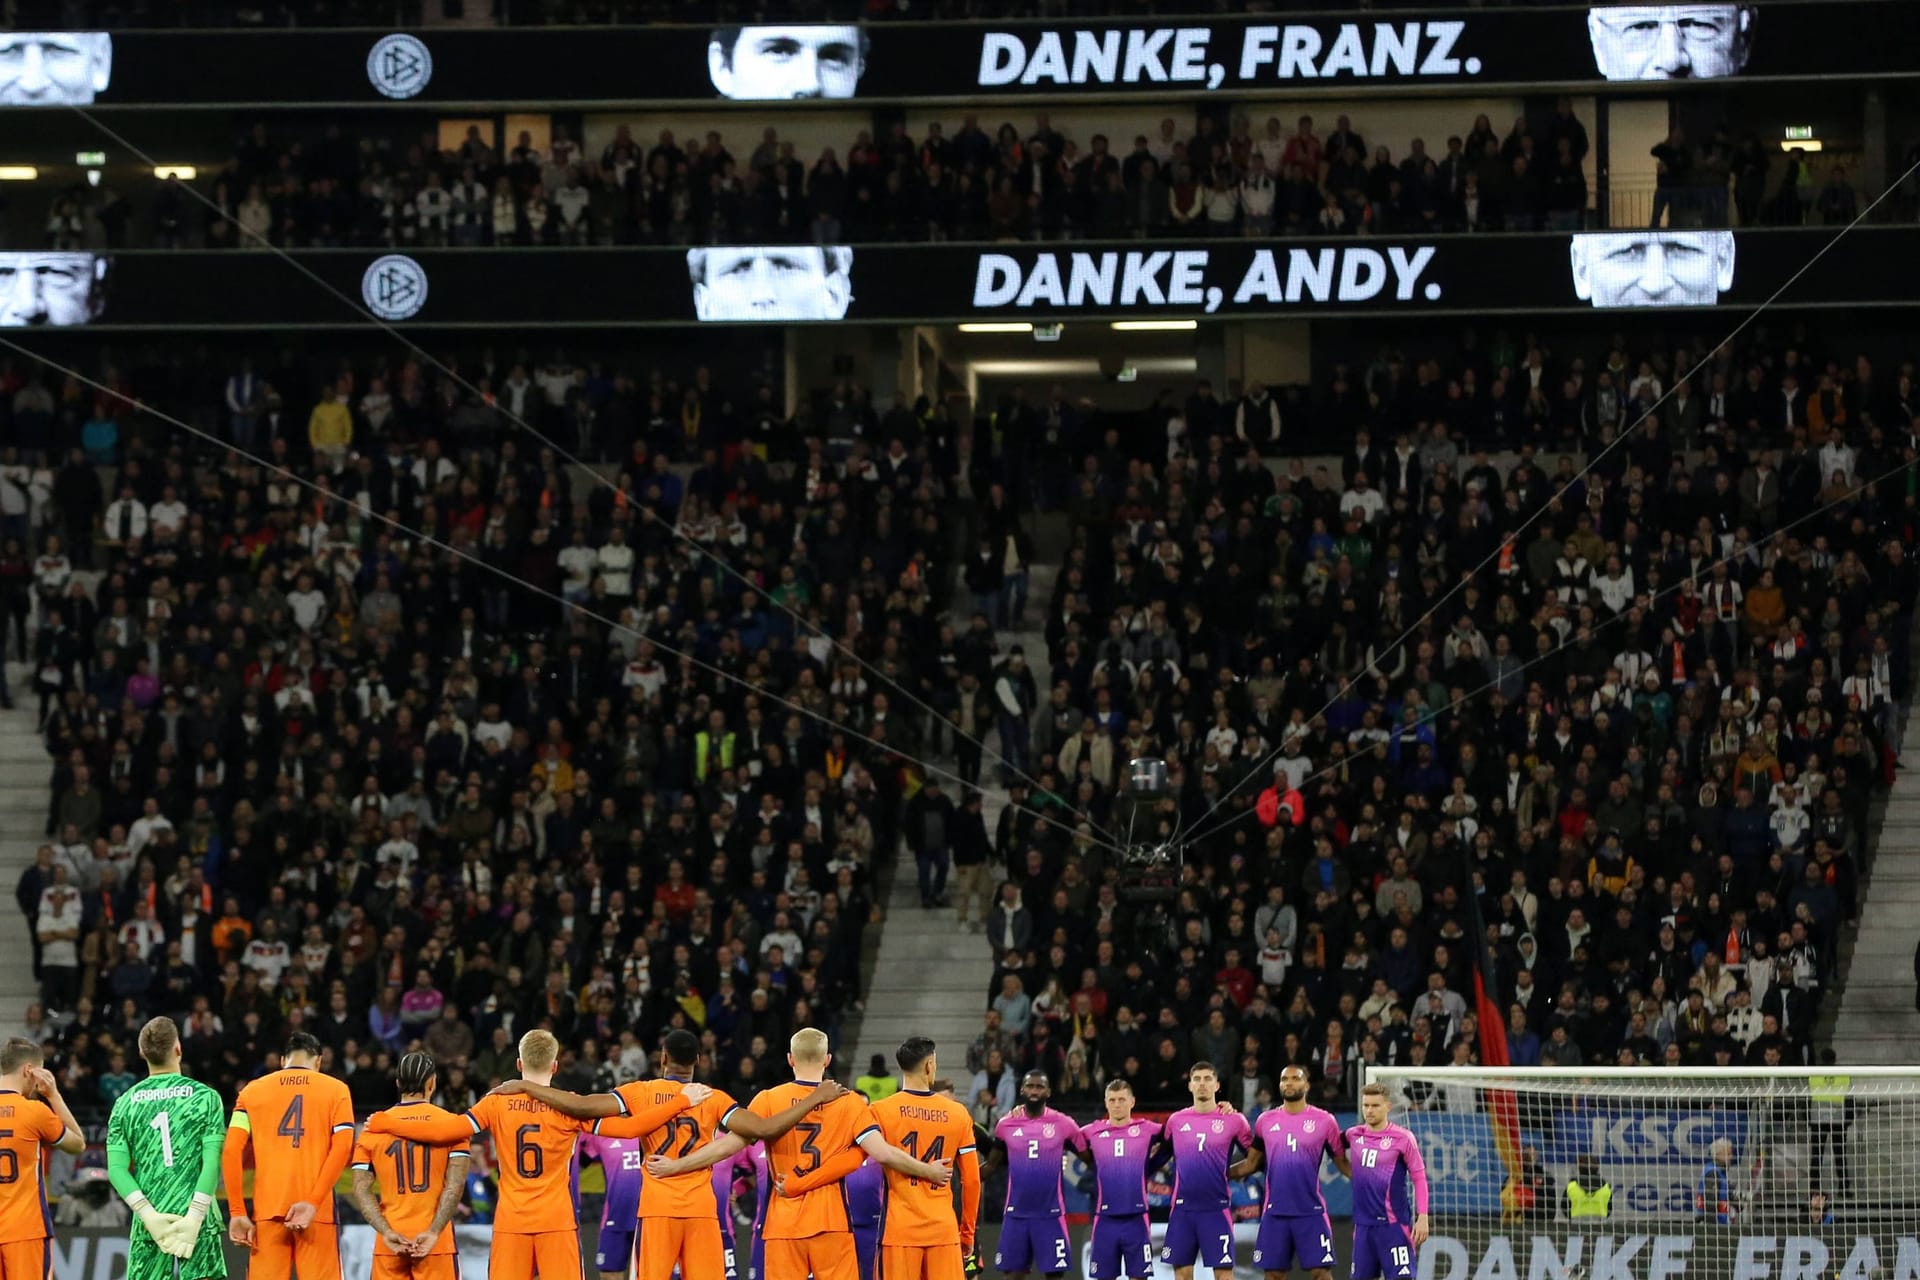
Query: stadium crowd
1640,749
310,774
1237,176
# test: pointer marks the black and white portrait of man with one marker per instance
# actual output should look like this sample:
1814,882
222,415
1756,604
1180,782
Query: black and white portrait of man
54,68
51,289
1652,268
1671,41
774,63
771,282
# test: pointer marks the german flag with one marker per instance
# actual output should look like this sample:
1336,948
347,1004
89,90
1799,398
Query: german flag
1503,1107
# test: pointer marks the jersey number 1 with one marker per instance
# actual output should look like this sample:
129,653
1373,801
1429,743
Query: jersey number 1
164,1124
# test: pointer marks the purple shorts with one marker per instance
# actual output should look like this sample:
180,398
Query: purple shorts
1382,1249
1032,1244
1120,1248
866,1244
1282,1240
614,1250
1203,1238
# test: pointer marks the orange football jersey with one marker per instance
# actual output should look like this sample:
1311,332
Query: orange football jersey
686,1195
533,1148
291,1117
927,1127
825,1133
26,1126
411,1177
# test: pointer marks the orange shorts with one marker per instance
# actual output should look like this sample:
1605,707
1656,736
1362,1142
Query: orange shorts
552,1255
693,1244
26,1260
280,1253
827,1256
921,1262
437,1266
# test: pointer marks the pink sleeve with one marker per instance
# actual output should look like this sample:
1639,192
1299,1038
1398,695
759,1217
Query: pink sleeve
1246,1132
1076,1137
1337,1143
1416,1172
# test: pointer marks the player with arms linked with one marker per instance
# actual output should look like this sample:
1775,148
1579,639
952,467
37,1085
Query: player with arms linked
537,1225
1387,1173
679,1219
1294,1138
419,1187
1033,1231
809,1234
1200,1224
921,1239
1119,1146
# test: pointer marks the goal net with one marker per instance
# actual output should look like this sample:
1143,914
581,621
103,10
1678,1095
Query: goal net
1644,1174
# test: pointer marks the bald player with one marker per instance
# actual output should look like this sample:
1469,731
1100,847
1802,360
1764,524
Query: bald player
679,1219
921,1239
36,1117
536,1227
299,1123
1293,1139
807,1235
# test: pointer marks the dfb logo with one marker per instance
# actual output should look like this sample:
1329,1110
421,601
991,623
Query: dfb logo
394,287
399,65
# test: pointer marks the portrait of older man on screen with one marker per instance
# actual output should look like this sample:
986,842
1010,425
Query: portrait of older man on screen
1652,268
54,68
51,289
1671,41
773,63
771,282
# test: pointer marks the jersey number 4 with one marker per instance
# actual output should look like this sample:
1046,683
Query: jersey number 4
910,1143
293,1124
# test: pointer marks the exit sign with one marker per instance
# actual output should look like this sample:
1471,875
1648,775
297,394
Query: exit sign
1799,133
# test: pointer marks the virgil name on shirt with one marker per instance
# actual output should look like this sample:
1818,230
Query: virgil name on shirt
1204,279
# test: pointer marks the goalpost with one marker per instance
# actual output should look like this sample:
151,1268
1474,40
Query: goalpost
1741,1173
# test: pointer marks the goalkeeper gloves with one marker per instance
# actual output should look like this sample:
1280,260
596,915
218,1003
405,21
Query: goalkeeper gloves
972,1263
159,1225
184,1236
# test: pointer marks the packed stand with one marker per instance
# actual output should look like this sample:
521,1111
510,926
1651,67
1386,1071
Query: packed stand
1200,179
1640,745
309,774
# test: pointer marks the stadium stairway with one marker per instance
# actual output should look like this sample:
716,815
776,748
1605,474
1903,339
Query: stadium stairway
23,817
1877,1023
929,978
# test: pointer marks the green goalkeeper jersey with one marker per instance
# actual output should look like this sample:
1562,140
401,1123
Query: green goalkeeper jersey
162,1128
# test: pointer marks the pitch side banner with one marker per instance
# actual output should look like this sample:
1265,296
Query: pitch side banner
1426,50
935,283
1679,1253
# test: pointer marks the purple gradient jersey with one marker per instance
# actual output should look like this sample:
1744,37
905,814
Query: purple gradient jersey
1202,1149
1295,1145
864,1188
623,1162
1120,1163
1388,1173
1036,1151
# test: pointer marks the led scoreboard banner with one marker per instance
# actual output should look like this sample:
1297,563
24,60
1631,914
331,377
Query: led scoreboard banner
1522,274
1425,50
